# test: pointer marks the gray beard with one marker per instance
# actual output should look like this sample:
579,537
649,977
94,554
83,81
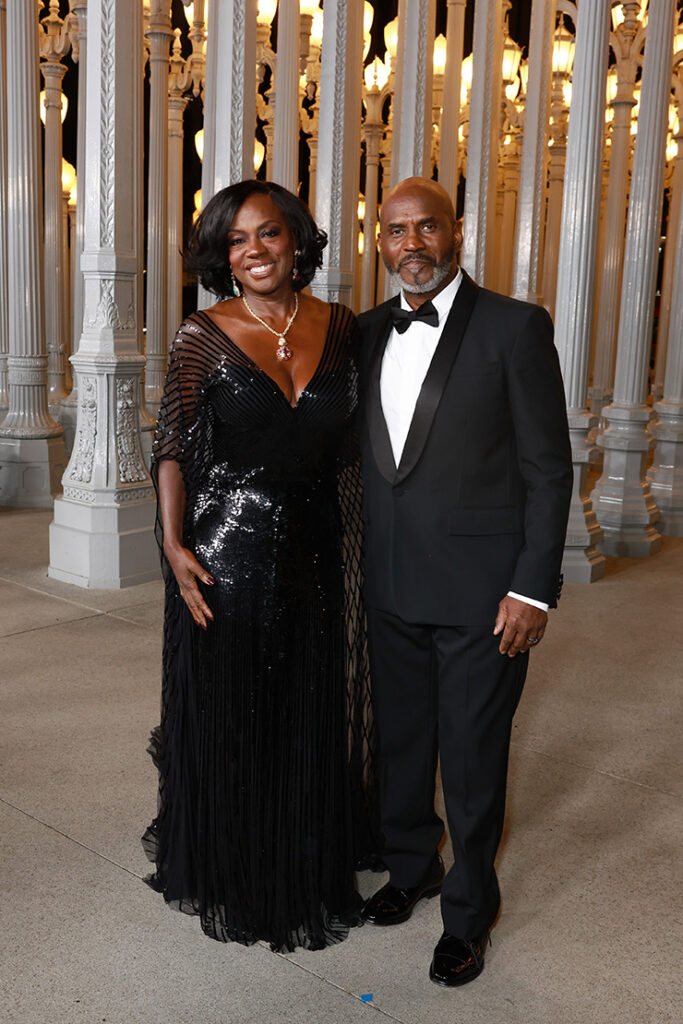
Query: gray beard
441,272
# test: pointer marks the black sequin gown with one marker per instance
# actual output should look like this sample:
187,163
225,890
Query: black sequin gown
264,751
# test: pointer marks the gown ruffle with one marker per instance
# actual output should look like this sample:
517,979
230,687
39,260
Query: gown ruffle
267,790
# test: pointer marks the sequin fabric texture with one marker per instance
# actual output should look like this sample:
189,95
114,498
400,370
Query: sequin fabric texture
267,794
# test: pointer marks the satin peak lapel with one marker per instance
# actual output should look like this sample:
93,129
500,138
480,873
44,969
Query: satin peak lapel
377,425
437,375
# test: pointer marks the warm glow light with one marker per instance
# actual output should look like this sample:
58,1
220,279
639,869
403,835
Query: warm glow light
567,93
391,38
376,75
199,143
524,75
361,243
259,153
65,105
512,90
671,150
68,176
466,72
308,6
511,57
266,11
197,204
563,51
612,80
361,208
368,17
188,11
73,196
636,110
439,55
678,38
673,120
317,29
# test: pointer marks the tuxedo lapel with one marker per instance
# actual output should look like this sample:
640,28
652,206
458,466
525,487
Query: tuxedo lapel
377,425
435,380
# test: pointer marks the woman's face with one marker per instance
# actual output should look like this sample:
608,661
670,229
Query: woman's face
261,246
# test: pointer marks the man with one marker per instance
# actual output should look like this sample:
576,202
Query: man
467,478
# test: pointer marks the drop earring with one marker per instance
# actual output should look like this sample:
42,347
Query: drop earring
296,276
235,287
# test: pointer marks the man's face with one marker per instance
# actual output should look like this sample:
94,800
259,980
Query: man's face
419,240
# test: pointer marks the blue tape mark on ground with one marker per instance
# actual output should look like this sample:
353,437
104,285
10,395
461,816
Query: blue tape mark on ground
366,997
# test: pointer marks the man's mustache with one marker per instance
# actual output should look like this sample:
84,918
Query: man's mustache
417,259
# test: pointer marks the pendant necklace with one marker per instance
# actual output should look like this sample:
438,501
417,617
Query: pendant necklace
283,352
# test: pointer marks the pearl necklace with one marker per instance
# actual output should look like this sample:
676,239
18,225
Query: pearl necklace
283,352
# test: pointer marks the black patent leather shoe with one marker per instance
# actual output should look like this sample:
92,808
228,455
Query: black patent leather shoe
457,961
391,905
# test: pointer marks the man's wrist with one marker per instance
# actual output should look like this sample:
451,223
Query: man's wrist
529,600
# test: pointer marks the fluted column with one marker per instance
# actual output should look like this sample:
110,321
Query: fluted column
66,287
4,294
102,533
54,44
623,501
510,185
159,37
666,475
670,253
382,287
176,108
482,147
32,454
69,408
286,146
556,176
147,421
230,63
577,261
412,136
627,43
448,145
336,205
528,246
372,133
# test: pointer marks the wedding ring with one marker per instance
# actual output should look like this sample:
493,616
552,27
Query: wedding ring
533,639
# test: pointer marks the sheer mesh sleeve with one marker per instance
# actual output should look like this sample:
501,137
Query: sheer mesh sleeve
362,739
183,426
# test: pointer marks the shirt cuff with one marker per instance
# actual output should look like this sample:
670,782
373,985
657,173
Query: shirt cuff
529,600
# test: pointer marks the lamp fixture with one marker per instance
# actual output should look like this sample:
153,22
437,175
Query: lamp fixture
266,11
440,55
563,51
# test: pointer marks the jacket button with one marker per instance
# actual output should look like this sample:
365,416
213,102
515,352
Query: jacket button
399,492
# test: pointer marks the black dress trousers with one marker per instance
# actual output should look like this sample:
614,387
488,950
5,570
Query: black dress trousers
444,691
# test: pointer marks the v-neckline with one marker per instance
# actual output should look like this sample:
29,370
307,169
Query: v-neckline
265,373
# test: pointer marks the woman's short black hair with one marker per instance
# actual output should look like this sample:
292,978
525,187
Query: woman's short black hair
207,247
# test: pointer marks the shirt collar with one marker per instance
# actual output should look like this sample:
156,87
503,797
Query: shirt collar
443,301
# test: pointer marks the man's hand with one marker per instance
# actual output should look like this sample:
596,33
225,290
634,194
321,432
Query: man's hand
519,623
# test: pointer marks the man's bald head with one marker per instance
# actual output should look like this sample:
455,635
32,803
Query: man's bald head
414,186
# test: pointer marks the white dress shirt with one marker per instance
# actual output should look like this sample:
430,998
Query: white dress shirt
405,363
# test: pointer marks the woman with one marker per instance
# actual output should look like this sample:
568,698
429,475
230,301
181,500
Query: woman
262,810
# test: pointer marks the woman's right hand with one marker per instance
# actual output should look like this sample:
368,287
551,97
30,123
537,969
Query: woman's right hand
187,571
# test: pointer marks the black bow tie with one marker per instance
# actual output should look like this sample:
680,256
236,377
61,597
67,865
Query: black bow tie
403,318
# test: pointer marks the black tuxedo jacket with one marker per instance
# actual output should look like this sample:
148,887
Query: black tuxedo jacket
479,503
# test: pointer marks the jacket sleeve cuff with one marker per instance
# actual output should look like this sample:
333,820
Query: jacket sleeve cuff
529,600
